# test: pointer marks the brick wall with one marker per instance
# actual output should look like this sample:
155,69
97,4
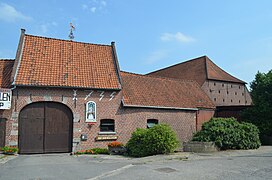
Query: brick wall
126,119
226,93
202,117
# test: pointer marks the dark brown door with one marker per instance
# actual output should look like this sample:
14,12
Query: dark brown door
2,132
45,127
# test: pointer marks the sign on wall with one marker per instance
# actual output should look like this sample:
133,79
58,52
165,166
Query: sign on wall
5,98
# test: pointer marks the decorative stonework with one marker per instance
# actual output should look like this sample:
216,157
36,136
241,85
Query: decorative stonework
76,117
47,98
14,115
14,132
13,143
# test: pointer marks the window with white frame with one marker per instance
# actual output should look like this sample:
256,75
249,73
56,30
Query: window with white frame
90,111
107,125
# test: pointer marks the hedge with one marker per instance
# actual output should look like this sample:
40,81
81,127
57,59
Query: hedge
228,133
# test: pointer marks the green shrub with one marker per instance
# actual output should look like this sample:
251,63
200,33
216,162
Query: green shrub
100,151
160,139
228,133
9,149
93,151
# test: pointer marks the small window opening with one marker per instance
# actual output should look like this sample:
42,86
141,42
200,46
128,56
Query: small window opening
152,122
107,125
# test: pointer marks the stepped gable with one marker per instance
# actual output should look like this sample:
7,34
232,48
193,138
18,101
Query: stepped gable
146,91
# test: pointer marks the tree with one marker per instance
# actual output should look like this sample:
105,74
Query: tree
261,112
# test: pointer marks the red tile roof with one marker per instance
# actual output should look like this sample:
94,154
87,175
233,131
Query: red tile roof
6,66
216,73
147,91
63,63
198,69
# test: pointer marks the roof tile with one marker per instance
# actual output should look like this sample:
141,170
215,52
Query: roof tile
6,66
198,69
54,62
147,91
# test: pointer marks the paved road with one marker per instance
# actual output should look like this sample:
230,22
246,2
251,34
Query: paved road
252,164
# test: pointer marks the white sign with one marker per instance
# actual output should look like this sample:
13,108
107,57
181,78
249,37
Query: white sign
5,98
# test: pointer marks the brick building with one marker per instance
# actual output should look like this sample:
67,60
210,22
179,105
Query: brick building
68,96
229,94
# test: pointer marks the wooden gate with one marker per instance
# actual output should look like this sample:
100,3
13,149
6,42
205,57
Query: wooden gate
45,127
2,132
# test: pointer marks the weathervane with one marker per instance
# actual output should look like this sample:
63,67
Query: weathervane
71,35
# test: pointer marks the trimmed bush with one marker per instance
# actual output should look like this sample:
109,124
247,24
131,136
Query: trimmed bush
160,139
93,151
228,133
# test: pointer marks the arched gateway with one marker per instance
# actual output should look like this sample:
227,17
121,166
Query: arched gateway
45,127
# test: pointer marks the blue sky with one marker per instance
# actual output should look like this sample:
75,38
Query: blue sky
149,35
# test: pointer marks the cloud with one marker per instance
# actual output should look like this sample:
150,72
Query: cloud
180,37
93,9
47,26
103,3
10,14
156,56
94,6
84,6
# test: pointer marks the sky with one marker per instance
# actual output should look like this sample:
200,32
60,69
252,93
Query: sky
150,35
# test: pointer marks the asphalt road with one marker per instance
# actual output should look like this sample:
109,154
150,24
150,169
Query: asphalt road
252,164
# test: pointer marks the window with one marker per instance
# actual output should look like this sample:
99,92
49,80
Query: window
219,91
107,125
214,99
90,111
152,122
214,84
222,85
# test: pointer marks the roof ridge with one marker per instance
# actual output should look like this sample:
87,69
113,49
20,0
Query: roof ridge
186,61
160,77
132,73
43,37
7,59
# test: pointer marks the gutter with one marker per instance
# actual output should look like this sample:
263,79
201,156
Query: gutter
159,107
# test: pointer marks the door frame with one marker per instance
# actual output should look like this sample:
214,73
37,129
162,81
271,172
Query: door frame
4,122
44,106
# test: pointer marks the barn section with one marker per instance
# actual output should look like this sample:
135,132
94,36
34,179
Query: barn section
53,81
175,102
228,93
